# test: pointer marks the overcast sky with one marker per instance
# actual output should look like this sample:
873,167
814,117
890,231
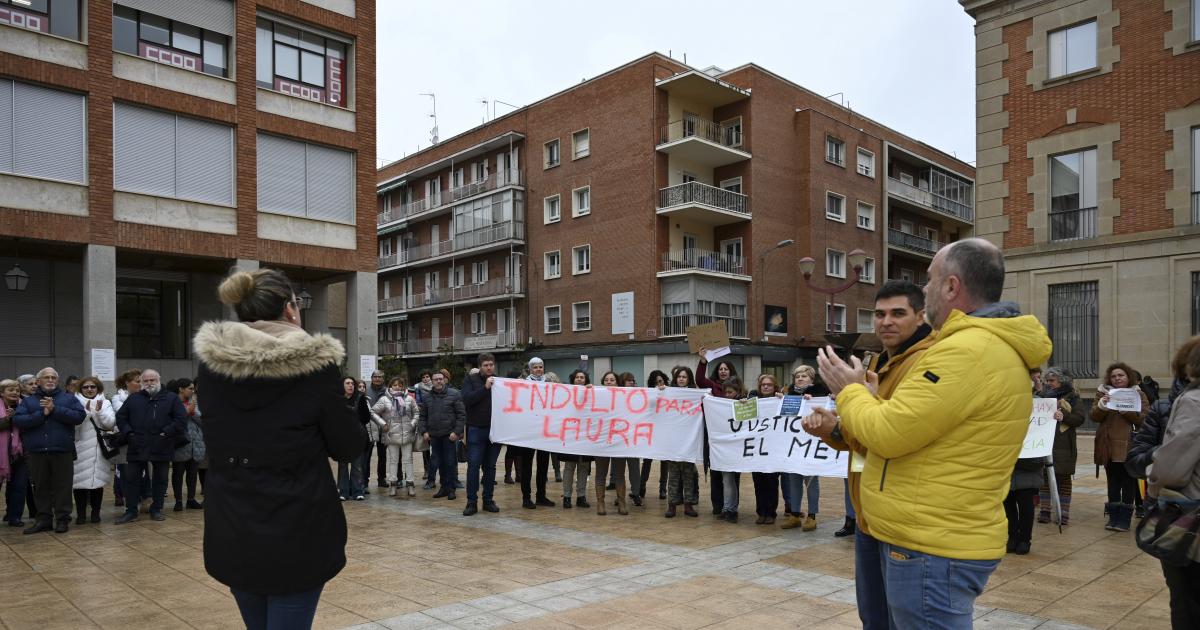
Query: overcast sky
908,64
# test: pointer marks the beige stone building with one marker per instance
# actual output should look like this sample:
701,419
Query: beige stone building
1088,133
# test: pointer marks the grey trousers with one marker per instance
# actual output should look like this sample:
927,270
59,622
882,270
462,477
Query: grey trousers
578,471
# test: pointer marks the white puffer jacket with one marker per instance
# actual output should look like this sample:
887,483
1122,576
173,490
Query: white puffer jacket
397,416
91,469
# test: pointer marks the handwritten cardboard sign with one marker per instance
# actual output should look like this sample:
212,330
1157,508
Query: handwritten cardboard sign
1039,440
770,441
599,421
712,335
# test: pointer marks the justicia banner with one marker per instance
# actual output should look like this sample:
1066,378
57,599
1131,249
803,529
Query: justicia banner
597,421
765,435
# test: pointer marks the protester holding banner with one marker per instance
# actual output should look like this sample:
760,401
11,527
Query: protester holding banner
576,468
1112,444
682,481
537,372
632,464
616,464
1069,416
766,484
806,383
940,451
731,481
657,378
720,373
481,451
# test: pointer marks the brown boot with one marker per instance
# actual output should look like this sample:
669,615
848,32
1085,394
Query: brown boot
600,498
622,506
670,511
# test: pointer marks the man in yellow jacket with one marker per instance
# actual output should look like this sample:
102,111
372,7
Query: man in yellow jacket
942,448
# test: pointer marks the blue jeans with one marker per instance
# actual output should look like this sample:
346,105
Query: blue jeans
731,482
481,451
868,583
135,485
278,612
14,492
793,492
447,459
925,591
849,504
349,480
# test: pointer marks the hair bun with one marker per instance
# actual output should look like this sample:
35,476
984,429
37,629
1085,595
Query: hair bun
236,288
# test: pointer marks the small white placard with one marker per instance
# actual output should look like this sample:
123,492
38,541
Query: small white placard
716,353
1125,399
366,365
104,364
622,313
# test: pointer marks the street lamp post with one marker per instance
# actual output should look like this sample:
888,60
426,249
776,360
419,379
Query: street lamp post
857,259
761,300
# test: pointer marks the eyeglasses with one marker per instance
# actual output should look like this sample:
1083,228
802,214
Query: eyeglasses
88,387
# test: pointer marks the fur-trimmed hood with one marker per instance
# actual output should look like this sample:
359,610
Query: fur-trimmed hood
270,350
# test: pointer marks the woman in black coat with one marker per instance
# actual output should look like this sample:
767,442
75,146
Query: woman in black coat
274,531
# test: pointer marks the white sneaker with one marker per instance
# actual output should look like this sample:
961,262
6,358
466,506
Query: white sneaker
392,491
412,490
360,498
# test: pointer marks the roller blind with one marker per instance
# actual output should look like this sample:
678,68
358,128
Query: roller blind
204,158
281,175
330,175
143,151
211,15
305,180
6,126
48,138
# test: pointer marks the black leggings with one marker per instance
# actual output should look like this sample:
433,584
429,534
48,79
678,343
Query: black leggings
528,455
1018,507
83,497
1122,487
191,467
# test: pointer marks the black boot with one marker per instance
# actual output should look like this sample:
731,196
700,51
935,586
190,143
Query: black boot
1110,509
847,528
582,502
1124,517
566,503
63,525
39,526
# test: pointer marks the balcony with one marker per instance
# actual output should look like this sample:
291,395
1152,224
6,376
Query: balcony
702,203
460,343
677,325
445,296
702,142
931,201
912,243
449,196
474,242
685,261
1072,225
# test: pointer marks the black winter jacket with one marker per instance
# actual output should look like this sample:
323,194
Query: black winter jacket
152,427
442,413
1150,436
478,400
48,434
273,416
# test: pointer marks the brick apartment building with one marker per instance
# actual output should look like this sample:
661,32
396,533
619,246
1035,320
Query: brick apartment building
148,146
609,217
1088,172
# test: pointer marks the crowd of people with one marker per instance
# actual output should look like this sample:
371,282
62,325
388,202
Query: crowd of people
919,410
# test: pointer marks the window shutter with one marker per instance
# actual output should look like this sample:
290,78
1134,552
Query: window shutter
212,15
143,151
6,126
204,161
281,175
330,175
48,134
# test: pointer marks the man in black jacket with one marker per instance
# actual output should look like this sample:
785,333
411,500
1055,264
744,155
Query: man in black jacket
443,418
481,451
151,422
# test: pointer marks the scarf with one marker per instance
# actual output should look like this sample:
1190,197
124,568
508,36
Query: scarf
1064,390
10,440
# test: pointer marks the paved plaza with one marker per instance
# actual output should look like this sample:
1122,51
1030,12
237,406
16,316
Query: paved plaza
418,563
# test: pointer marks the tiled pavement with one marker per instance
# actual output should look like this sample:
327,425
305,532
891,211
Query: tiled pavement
417,563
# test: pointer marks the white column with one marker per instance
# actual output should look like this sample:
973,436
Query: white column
362,321
99,304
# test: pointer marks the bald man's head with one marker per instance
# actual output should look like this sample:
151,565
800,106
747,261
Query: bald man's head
965,275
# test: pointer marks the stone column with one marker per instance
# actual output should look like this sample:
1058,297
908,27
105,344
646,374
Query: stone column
362,322
99,304
751,368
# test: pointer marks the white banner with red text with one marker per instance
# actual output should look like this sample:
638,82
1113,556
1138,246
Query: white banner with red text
666,424
765,435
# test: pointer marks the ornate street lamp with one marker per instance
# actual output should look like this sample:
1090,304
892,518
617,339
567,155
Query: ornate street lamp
857,259
16,278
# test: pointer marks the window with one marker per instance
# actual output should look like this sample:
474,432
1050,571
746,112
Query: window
866,162
176,43
302,63
433,191
582,201
161,154
550,155
866,216
56,17
866,320
835,263
1074,323
42,132
152,319
458,276
733,185
385,248
305,180
553,319
835,207
907,275
457,179
1196,302
553,264
1073,49
1195,20
1073,196
479,323
581,145
1196,174
479,171
867,274
479,272
835,151
732,130
835,319
582,256
552,210
581,316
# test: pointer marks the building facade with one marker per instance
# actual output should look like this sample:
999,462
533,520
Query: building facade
149,146
608,218
1088,135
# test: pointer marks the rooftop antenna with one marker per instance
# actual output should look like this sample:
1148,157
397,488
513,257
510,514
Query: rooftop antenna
685,59
433,133
496,100
841,101
485,109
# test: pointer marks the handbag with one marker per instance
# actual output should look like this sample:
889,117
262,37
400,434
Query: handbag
1169,531
460,450
107,450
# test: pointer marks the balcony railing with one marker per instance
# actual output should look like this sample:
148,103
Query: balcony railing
495,287
499,179
912,242
673,325
931,200
467,240
1072,225
704,129
503,339
704,260
703,194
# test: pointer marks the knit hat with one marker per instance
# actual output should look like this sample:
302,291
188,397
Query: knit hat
535,361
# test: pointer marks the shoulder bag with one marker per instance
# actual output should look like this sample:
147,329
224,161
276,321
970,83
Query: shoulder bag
1169,531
